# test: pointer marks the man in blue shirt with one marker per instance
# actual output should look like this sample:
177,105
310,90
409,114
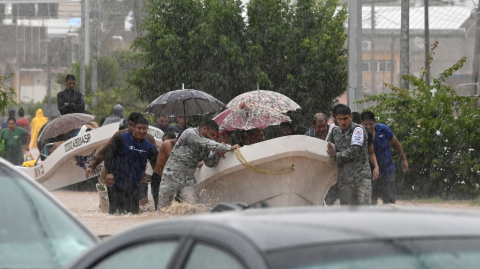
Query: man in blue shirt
383,137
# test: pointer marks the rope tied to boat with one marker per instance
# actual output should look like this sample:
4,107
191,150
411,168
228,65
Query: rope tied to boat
281,171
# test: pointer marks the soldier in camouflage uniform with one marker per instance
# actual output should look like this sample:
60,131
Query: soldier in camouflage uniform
351,155
194,145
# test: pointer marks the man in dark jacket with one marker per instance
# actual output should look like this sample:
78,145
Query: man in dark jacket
180,127
125,162
161,123
69,100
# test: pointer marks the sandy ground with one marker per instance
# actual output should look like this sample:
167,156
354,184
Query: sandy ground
84,205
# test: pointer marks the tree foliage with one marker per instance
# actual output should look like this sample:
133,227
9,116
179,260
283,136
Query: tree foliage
108,70
112,88
7,94
297,50
438,130
106,100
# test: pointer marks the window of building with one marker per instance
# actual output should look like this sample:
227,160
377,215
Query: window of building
366,45
385,66
366,66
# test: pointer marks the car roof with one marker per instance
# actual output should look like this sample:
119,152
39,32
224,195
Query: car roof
280,228
12,169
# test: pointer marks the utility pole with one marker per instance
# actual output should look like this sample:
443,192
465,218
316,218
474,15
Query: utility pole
354,87
476,51
84,45
82,50
373,64
87,32
427,46
404,43
49,84
97,8
137,14
392,59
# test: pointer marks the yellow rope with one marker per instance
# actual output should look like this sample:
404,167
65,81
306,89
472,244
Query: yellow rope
281,171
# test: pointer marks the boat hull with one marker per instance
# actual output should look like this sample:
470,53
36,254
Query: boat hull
230,181
67,164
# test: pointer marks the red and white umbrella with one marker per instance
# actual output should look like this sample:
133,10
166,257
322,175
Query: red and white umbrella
249,116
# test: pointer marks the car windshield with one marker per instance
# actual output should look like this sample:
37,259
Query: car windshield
406,253
34,232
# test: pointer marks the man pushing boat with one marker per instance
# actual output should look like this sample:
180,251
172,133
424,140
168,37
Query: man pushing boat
194,145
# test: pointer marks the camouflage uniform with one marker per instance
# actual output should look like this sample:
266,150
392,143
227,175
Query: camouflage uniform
351,155
179,172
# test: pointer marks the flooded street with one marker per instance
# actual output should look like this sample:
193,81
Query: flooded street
84,206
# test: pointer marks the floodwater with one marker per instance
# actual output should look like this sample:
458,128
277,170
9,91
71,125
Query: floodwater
85,206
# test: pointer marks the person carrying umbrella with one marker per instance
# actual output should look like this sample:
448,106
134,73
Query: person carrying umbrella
194,145
161,122
180,126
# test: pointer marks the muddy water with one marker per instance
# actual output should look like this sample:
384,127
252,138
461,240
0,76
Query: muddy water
85,206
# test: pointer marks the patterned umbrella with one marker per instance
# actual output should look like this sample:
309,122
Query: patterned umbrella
185,102
64,124
249,116
269,99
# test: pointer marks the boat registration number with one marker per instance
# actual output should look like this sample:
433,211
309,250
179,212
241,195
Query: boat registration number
77,142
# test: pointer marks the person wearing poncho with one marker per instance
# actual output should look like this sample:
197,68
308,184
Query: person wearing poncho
35,126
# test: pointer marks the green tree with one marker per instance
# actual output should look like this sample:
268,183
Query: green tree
220,48
317,59
438,130
296,50
109,75
269,26
165,50
7,94
199,43
108,99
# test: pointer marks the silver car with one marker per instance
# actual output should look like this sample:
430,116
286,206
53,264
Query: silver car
297,238
36,231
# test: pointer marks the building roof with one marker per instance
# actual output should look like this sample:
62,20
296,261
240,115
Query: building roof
440,18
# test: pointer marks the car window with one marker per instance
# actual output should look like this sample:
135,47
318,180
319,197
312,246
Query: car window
441,253
34,231
154,255
209,256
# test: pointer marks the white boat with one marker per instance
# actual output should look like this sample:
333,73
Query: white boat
67,164
230,181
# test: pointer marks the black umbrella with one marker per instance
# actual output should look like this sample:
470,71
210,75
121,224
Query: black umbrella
185,102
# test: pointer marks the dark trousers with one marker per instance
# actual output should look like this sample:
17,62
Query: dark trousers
384,186
143,190
332,195
155,185
122,202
